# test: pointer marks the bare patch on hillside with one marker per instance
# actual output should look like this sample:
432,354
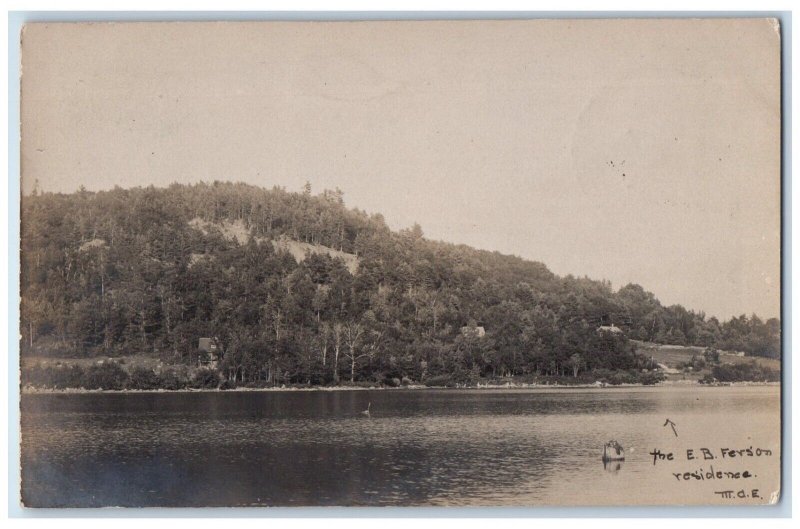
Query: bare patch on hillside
94,243
237,232
301,250
232,230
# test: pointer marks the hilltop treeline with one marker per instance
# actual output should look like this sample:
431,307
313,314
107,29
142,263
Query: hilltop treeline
132,271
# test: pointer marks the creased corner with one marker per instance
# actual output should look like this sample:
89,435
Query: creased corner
776,25
775,497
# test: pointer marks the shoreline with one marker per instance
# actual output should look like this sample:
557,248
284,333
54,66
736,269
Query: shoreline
546,387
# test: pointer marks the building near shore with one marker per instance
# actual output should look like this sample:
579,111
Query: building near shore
210,352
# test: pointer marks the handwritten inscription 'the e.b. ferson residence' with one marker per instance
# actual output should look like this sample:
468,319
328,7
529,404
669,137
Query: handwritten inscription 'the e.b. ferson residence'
707,454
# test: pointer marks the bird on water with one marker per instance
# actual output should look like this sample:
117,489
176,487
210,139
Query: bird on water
365,413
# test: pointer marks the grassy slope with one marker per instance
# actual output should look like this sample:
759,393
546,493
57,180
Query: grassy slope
672,355
143,360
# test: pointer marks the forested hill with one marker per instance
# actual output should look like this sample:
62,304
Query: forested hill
299,285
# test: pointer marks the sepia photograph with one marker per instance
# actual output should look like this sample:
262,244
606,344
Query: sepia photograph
401,263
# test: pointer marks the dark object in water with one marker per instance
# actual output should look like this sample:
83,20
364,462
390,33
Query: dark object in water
612,467
613,451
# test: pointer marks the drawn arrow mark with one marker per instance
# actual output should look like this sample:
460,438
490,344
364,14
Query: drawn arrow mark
672,424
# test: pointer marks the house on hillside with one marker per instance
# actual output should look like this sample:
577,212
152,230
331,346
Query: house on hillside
476,331
210,352
612,329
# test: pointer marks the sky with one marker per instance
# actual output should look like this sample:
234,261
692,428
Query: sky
627,150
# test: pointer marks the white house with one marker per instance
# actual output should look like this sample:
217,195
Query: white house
609,328
477,331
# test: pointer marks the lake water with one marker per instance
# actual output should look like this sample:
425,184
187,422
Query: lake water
419,447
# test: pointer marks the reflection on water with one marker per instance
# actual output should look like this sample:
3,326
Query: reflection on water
431,447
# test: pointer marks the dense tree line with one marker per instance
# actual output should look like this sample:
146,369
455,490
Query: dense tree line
126,271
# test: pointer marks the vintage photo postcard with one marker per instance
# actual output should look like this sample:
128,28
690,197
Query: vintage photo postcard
401,263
